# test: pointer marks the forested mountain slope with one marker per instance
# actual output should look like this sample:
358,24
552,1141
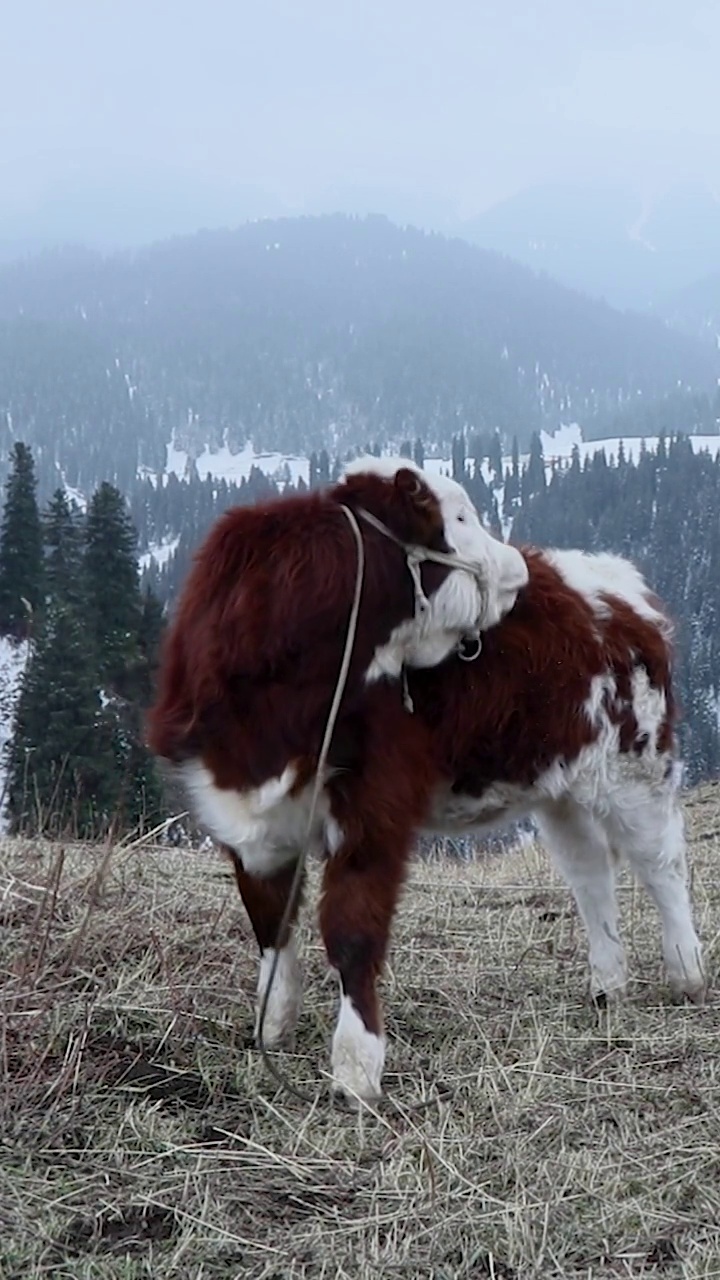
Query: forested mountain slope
305,334
696,308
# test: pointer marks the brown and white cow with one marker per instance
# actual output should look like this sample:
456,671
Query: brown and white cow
567,714
245,687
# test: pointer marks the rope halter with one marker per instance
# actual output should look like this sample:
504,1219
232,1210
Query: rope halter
415,555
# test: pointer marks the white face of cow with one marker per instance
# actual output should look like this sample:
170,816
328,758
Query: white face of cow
463,603
503,570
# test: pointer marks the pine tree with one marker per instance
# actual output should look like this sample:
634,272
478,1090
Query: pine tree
127,628
111,576
509,495
152,623
141,803
62,776
495,458
533,479
63,536
419,453
458,457
323,468
21,550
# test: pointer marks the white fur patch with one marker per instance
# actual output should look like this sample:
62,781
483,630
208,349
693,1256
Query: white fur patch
358,1056
602,694
649,705
456,607
285,994
265,826
334,836
595,576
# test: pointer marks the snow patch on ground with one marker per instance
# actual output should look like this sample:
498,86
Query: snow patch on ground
13,658
72,494
557,450
559,445
158,553
234,467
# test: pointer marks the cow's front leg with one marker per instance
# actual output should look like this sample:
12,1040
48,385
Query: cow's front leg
265,900
360,891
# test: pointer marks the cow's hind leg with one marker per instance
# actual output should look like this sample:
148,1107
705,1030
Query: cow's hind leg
580,849
360,891
646,827
265,900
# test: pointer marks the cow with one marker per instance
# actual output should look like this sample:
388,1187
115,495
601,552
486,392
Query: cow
246,680
566,714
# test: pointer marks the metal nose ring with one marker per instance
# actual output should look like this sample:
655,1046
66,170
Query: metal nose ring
470,648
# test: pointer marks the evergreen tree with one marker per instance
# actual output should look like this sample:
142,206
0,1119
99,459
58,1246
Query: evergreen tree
495,458
458,458
141,805
511,493
63,536
127,628
533,479
111,575
419,453
21,550
62,776
139,676
323,468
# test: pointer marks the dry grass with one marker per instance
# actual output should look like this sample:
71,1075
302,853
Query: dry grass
140,1135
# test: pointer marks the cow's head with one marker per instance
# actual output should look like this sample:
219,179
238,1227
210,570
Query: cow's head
435,512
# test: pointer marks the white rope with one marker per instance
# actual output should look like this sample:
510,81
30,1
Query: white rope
416,554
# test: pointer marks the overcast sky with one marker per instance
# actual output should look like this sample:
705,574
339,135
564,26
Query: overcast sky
464,101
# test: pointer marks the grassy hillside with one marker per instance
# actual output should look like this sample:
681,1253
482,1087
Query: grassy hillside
520,1136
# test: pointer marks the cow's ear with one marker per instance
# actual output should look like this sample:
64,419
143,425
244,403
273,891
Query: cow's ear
409,483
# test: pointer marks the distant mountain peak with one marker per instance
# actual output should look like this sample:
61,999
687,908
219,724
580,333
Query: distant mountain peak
628,245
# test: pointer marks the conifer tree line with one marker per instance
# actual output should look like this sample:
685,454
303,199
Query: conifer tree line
70,589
